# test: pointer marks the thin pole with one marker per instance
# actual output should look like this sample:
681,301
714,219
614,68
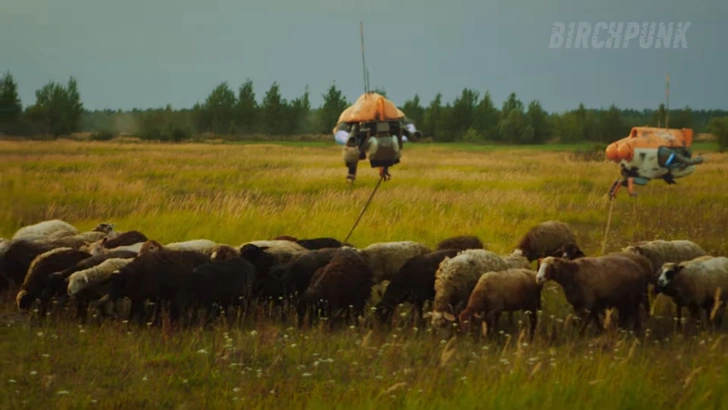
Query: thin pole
364,209
609,223
667,98
363,59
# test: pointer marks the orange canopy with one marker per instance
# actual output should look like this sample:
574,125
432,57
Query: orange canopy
648,137
371,107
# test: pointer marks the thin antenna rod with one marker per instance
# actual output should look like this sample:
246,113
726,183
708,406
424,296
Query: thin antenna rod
363,60
667,99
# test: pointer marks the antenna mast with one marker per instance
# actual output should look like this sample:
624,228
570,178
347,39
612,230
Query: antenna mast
363,60
667,99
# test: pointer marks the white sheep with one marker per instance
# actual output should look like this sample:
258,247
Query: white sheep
695,284
97,248
385,259
282,250
90,279
455,279
199,245
53,228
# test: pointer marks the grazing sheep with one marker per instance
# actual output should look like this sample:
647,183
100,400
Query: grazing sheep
592,284
17,257
35,284
319,243
462,242
345,282
455,279
199,245
93,283
223,283
516,261
694,284
545,239
266,254
647,270
161,277
415,283
386,258
57,283
280,248
125,239
224,252
660,252
295,275
106,228
88,278
52,228
505,291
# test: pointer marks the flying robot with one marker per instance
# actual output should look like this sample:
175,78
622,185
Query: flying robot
649,153
373,127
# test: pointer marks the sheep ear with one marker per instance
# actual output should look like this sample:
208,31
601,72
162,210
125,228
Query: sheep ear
448,316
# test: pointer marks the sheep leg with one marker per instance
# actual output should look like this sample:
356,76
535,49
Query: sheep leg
82,310
586,317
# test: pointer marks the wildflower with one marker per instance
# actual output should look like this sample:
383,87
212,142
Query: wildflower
236,389
33,373
253,332
202,351
63,392
306,375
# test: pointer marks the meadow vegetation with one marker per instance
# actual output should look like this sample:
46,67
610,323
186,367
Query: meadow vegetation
234,193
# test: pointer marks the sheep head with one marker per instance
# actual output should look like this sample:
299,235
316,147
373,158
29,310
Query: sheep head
546,269
667,275
76,284
150,246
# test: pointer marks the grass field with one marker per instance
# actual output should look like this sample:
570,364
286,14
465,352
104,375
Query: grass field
234,193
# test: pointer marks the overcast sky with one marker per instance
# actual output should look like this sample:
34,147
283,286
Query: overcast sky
147,53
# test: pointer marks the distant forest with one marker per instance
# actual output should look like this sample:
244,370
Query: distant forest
228,113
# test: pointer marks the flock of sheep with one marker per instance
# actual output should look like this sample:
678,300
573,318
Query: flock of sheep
465,283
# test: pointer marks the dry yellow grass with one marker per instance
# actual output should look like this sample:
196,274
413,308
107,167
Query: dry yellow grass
234,193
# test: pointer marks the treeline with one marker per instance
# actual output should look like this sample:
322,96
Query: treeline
229,112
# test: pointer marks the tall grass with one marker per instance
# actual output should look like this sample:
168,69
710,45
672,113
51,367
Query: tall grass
233,193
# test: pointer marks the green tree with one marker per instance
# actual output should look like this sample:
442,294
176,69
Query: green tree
611,126
486,118
298,115
74,107
273,111
718,126
414,111
510,104
682,119
539,121
334,104
10,105
433,121
247,108
48,114
462,113
515,128
219,110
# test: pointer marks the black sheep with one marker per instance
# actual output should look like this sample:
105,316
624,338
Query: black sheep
296,275
319,243
161,277
224,283
414,283
344,282
57,283
124,239
462,242
16,260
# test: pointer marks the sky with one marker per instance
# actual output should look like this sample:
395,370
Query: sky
146,54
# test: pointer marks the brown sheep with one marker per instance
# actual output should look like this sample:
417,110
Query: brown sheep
593,284
660,252
344,282
35,285
545,239
462,243
125,239
505,291
570,251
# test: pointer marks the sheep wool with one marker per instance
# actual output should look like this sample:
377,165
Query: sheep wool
517,261
545,239
694,283
52,228
91,277
456,278
386,258
661,251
